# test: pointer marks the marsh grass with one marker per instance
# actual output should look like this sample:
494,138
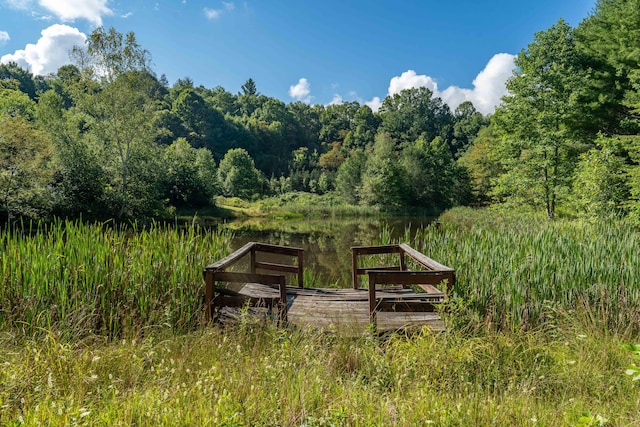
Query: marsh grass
103,279
512,270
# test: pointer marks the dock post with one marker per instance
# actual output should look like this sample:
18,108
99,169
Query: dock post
283,301
372,300
300,270
354,267
208,295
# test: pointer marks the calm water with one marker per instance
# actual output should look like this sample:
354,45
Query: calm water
327,242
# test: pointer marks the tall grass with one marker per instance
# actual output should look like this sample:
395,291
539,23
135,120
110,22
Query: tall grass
100,279
512,271
260,375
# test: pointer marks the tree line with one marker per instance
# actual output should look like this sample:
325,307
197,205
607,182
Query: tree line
106,138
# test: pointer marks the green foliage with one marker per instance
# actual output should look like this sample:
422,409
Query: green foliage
24,172
432,174
349,177
537,150
109,55
600,186
16,103
384,182
12,72
79,177
415,113
468,123
121,115
482,164
365,125
337,120
611,36
238,175
192,178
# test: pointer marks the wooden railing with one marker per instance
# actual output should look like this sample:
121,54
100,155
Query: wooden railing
433,275
217,272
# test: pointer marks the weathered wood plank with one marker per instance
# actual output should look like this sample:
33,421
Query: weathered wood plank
277,249
277,267
424,260
376,250
231,258
342,308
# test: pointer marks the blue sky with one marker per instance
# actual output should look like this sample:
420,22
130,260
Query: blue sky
315,51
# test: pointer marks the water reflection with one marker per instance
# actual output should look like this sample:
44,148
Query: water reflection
327,242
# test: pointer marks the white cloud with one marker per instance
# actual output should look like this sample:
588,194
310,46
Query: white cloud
409,79
301,91
337,99
50,52
374,104
212,13
4,37
488,86
19,4
70,10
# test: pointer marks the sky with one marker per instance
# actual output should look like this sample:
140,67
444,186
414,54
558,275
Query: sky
317,52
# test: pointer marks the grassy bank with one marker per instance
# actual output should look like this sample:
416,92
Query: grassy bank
257,375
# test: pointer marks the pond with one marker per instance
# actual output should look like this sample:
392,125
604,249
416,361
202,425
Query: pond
327,242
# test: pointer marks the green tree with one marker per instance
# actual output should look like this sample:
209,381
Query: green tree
337,121
24,79
238,175
16,103
79,180
610,37
191,175
25,171
122,113
415,113
600,186
384,182
467,123
432,174
201,123
537,148
482,165
365,126
249,88
349,176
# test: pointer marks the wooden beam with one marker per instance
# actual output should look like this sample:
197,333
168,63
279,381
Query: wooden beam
277,249
266,279
231,258
277,267
375,250
208,294
409,277
424,260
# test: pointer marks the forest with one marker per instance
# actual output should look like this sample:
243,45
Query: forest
105,137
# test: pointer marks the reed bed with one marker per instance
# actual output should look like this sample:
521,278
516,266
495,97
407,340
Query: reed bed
515,271
101,279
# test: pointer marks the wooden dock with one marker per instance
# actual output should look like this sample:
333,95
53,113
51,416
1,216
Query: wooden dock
396,296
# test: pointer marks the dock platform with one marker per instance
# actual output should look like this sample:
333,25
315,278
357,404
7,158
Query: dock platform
396,297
